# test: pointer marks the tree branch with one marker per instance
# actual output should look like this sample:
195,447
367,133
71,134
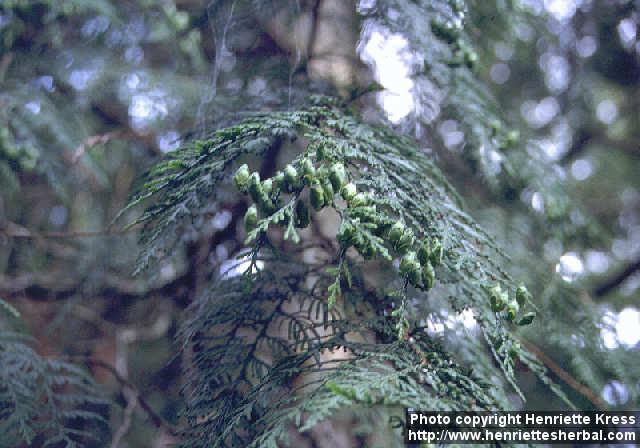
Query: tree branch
14,230
612,283
585,139
158,421
566,376
580,143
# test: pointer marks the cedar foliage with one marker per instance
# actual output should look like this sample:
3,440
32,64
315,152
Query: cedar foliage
269,379
287,342
50,401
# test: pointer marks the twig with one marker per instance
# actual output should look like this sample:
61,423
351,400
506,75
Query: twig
5,62
580,142
123,429
14,230
585,139
94,140
158,421
313,33
566,376
610,284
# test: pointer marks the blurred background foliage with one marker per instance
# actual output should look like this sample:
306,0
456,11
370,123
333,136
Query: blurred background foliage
92,93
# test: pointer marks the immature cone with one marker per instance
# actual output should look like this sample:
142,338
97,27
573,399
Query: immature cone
366,213
382,226
396,232
511,138
267,186
302,214
251,218
436,253
316,196
321,152
266,203
495,126
278,180
470,58
348,192
327,190
514,350
512,310
255,187
444,31
428,275
337,176
290,177
410,268
522,295
366,250
241,178
322,172
308,171
359,200
345,235
406,241
424,252
497,299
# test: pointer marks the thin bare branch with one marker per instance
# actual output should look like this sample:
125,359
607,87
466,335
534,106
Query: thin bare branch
157,421
565,376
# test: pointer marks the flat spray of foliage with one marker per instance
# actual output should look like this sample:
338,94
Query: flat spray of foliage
44,400
261,343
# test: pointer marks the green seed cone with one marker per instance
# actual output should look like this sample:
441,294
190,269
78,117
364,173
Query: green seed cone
278,180
497,299
291,178
328,191
415,278
410,268
428,276
251,218
366,213
512,310
522,295
424,253
444,31
308,171
396,232
316,196
512,138
345,234
470,58
514,350
241,178
302,214
266,204
337,176
255,187
359,200
406,241
321,152
366,250
348,192
436,254
267,186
